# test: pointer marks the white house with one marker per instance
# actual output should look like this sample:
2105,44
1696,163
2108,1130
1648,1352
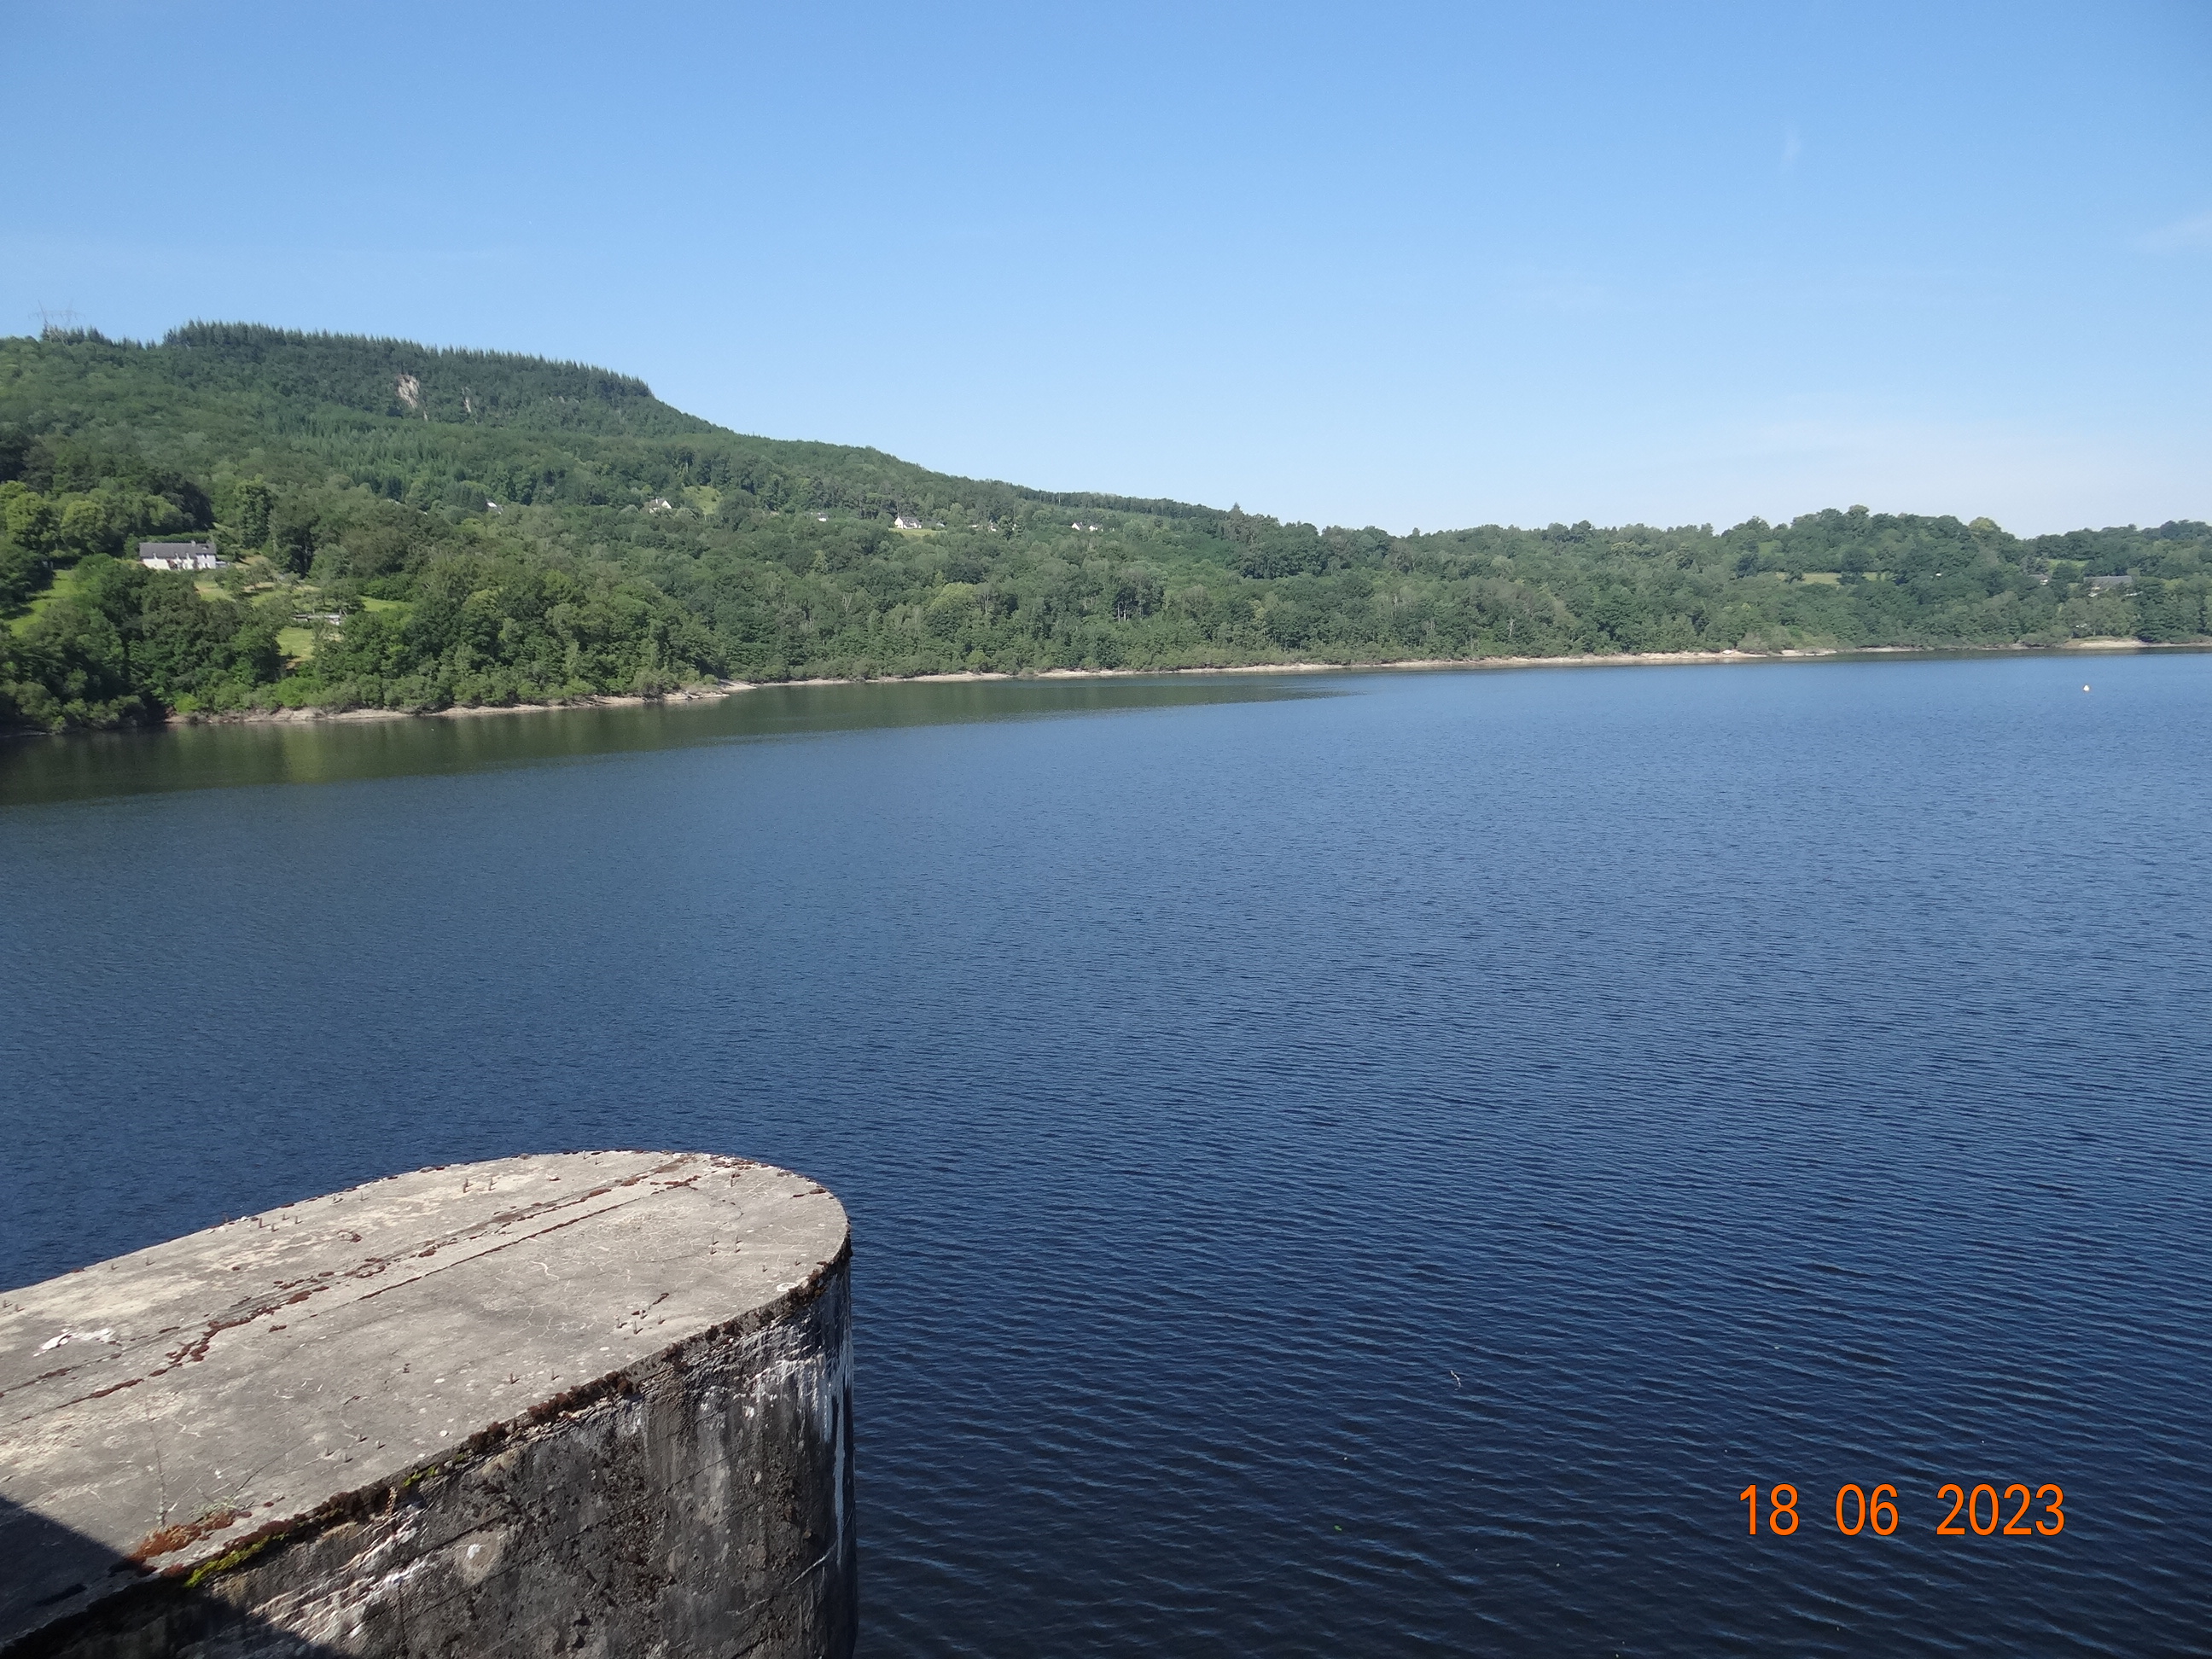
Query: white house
178,555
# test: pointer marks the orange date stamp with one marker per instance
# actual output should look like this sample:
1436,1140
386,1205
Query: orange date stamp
2041,1510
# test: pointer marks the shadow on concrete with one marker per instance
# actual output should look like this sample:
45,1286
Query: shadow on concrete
64,1595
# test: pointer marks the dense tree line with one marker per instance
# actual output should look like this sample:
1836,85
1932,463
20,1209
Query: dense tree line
413,528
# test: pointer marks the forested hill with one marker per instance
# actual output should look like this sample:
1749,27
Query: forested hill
409,527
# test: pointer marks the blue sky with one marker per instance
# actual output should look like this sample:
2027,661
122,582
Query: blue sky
1398,265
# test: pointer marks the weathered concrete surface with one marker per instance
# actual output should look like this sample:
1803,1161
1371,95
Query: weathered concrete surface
594,1403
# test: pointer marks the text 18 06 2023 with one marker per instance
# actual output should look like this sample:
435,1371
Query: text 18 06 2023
2040,1511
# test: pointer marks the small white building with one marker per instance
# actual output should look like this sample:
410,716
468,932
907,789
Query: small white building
178,555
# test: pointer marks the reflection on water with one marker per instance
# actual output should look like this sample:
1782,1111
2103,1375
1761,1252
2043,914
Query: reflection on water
83,766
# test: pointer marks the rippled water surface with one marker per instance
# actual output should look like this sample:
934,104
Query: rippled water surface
1351,1164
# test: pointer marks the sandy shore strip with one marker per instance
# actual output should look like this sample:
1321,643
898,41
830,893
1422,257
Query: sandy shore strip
715,690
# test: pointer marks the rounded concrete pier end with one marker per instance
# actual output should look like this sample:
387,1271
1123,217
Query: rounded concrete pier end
595,1403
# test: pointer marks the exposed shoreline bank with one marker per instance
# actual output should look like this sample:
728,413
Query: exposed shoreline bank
717,690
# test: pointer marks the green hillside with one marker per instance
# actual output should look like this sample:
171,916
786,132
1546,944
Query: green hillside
413,528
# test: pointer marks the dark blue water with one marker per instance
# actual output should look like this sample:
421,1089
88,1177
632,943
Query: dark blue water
1363,1165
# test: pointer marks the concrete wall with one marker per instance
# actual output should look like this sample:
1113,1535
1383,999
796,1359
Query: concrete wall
689,1491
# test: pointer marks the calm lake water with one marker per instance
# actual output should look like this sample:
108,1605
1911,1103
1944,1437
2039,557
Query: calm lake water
1339,1164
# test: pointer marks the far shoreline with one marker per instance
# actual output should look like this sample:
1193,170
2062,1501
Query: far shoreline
716,690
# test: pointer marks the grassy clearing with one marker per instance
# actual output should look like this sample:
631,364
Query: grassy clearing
64,581
296,643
